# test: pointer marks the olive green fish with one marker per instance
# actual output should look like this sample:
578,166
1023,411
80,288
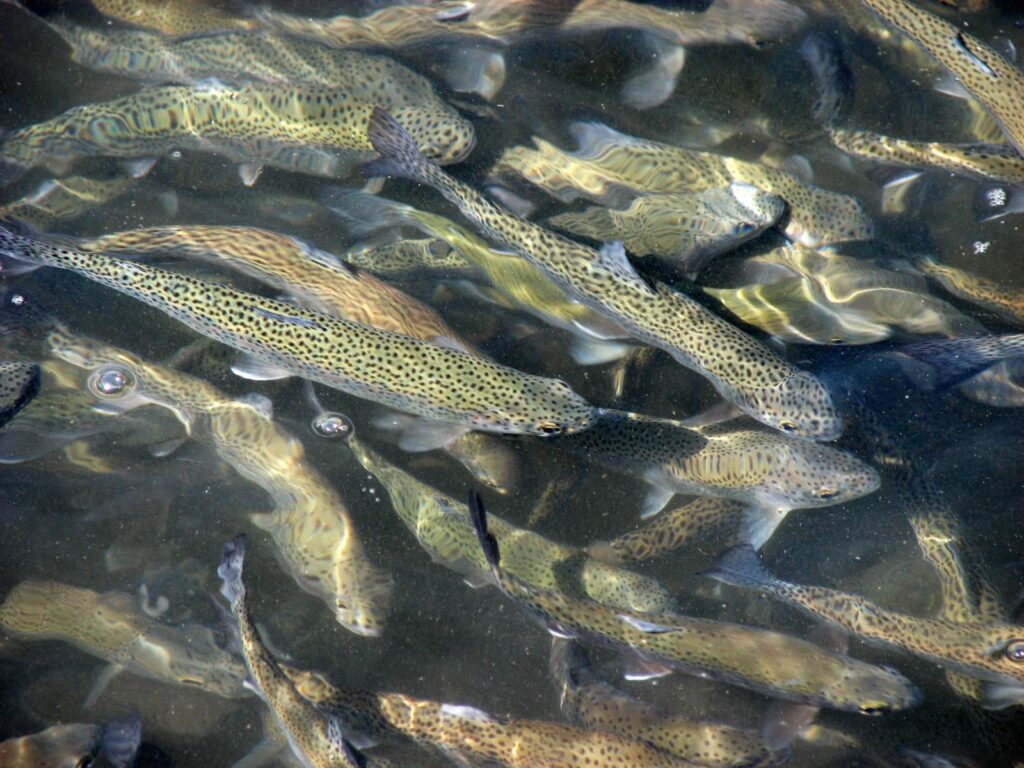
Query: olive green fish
745,372
409,257
608,163
685,229
995,82
111,626
761,660
78,745
1005,301
318,717
60,199
316,540
316,130
992,652
425,379
595,705
443,528
768,471
175,17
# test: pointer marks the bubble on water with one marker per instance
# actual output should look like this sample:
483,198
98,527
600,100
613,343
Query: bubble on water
332,425
996,197
176,154
980,247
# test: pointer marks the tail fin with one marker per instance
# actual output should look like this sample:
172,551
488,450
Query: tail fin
740,567
955,360
487,541
230,571
364,213
120,739
399,155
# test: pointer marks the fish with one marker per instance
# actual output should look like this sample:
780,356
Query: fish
409,257
178,18
488,458
317,130
443,528
956,360
769,472
56,200
417,377
318,717
668,531
686,229
984,162
991,652
74,745
1005,301
995,82
316,540
111,626
594,704
800,671
608,164
744,372
19,385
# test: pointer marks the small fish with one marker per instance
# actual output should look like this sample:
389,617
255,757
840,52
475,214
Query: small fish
800,671
685,229
1005,301
316,540
62,199
187,17
768,471
115,743
743,371
437,382
955,360
991,652
309,129
596,705
112,627
608,163
443,528
985,162
19,384
995,82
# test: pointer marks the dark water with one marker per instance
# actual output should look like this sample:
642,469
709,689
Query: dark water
444,641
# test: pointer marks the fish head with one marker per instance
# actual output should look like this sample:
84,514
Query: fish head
755,208
556,409
362,606
800,406
812,475
444,137
871,689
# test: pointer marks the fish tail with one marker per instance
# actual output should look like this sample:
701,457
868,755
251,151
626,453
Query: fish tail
119,740
365,213
399,155
955,360
487,541
230,571
740,567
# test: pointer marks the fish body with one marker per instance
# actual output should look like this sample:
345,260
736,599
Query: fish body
743,371
1005,301
406,257
956,360
991,652
995,82
60,199
596,705
685,229
443,528
111,627
114,743
607,163
398,371
174,17
309,129
19,385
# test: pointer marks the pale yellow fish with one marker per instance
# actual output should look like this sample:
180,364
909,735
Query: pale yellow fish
175,17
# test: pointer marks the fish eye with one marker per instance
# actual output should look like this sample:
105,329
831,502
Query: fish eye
787,426
111,382
1014,650
332,425
745,229
826,493
549,428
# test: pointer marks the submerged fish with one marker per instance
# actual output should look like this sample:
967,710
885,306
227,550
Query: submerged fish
955,360
410,375
114,743
408,257
443,528
178,17
685,229
997,83
596,705
1005,301
111,626
60,199
608,162
310,129
744,372
19,384
991,652
735,654
769,472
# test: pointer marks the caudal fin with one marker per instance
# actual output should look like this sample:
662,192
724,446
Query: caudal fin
487,541
230,571
399,155
120,740
740,567
956,360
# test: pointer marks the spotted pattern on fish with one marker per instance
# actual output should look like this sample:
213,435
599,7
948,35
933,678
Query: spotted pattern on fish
310,129
591,703
986,162
997,83
19,384
291,265
687,227
174,17
744,371
1005,301
408,257
443,529
110,626
608,162
403,373
671,530
61,199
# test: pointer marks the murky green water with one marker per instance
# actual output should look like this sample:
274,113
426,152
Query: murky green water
101,511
